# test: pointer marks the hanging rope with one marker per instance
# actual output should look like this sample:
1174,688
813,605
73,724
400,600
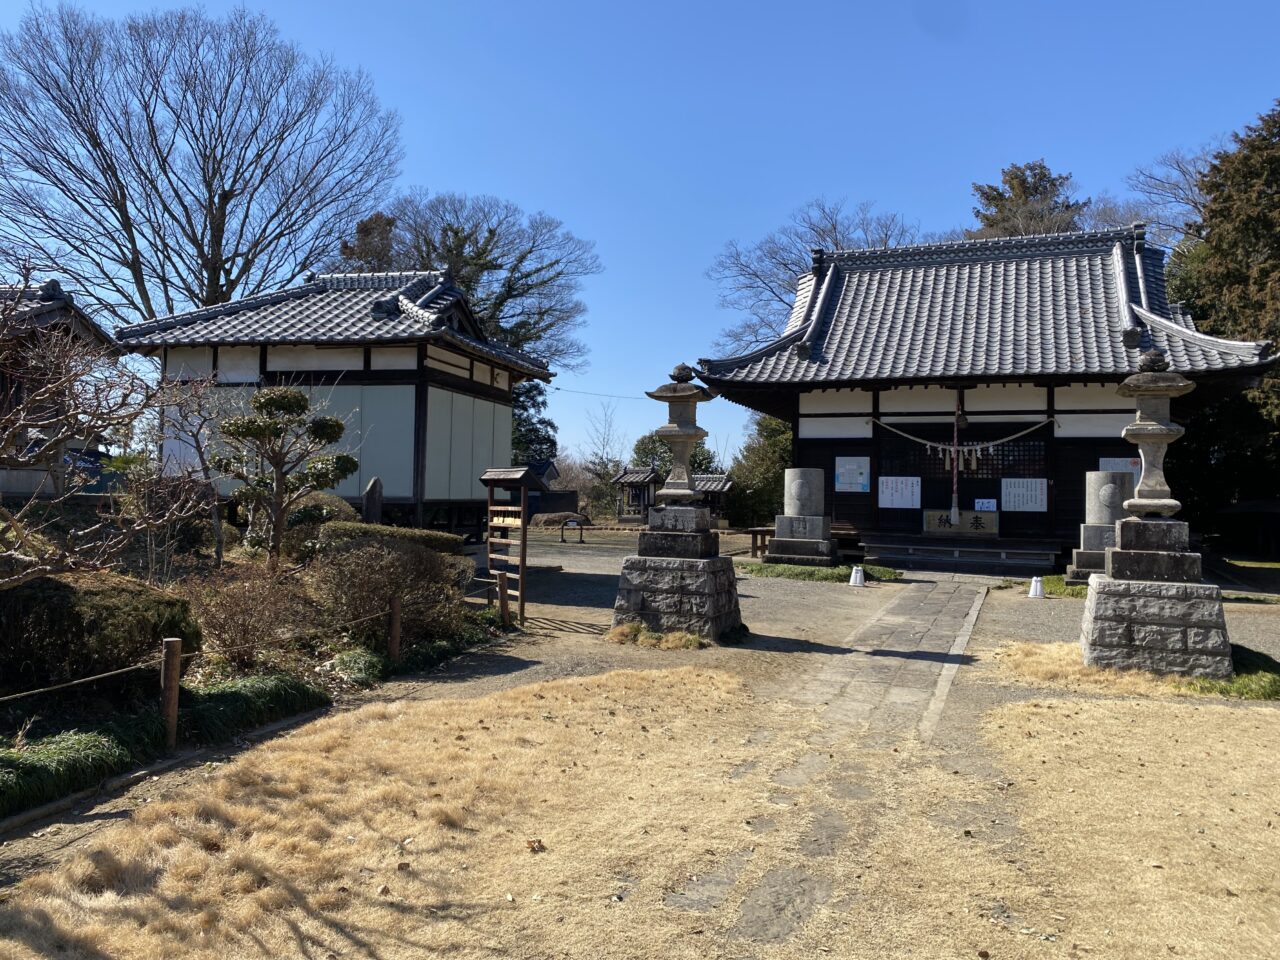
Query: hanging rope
970,451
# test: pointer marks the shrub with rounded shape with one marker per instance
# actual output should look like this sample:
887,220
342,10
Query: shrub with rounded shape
250,615
77,625
341,531
302,533
279,402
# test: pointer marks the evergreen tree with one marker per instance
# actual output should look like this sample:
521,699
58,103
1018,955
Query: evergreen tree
533,434
757,471
1030,198
649,449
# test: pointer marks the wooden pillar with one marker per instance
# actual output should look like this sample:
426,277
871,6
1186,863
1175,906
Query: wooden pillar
524,547
170,673
393,630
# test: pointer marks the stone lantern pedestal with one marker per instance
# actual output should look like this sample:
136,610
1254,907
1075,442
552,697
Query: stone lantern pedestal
1105,493
678,580
1148,609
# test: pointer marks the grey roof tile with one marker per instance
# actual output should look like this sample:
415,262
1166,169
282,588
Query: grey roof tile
349,308
1055,305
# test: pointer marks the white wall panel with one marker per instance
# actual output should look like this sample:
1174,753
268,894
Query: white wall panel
460,472
184,363
501,435
1091,396
386,428
917,399
315,358
393,358
1006,396
439,442
813,428
1092,424
835,401
238,364
481,445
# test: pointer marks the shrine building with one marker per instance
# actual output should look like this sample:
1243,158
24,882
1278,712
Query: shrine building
987,368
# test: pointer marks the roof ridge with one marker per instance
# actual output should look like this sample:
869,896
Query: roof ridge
378,280
1242,348
1074,241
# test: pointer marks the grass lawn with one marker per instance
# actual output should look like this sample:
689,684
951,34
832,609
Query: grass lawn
840,574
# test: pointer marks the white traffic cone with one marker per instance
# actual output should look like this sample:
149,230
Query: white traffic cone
1037,589
857,577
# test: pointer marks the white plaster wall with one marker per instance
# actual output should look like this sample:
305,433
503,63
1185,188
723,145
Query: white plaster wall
386,429
816,428
465,436
835,401
439,442
1091,396
393,358
501,380
448,361
917,400
237,364
1006,396
1091,424
315,358
188,363
483,373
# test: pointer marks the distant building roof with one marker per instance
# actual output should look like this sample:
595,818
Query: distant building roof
513,477
338,308
545,469
638,475
40,306
711,482
1072,305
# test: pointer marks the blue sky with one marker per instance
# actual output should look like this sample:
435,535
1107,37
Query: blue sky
661,130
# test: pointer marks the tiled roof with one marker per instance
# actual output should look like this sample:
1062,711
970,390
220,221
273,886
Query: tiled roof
47,304
1063,305
711,482
350,308
631,474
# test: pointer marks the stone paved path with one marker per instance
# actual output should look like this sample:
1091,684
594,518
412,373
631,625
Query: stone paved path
886,684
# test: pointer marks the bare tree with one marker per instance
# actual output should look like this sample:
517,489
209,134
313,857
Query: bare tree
61,395
601,458
174,159
759,279
522,272
1171,192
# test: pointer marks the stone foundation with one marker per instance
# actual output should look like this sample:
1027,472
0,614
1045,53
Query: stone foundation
672,593
801,540
1159,626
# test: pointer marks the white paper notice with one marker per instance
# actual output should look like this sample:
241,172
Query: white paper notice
853,474
900,493
1024,496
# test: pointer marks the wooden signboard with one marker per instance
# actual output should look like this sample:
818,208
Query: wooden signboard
973,523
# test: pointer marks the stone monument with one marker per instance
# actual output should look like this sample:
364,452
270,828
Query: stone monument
1149,610
802,533
1105,493
678,580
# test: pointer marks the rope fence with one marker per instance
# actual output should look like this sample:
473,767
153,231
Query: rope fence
170,662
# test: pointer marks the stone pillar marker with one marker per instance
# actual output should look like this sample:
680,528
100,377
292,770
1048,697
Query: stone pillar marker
1148,609
678,580
802,532
1105,492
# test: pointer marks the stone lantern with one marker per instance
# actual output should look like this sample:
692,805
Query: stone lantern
678,580
1149,610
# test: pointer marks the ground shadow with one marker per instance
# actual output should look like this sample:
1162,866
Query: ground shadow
598,590
776,644
478,664
930,655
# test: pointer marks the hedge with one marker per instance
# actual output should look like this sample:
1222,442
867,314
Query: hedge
340,531
47,768
76,625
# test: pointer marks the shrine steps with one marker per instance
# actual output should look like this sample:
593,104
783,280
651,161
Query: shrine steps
1002,555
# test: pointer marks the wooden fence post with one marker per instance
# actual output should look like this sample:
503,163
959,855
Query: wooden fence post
504,602
393,631
170,671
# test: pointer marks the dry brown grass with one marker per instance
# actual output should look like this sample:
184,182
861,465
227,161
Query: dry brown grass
297,848
641,636
1060,665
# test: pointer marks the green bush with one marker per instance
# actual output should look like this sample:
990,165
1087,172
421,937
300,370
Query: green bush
342,531
305,520
42,770
361,666
77,625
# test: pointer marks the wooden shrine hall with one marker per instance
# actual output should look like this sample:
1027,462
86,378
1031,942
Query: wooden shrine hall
982,370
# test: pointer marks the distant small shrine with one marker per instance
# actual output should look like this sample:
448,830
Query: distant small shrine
638,488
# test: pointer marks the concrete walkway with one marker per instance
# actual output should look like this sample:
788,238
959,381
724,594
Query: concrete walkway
890,687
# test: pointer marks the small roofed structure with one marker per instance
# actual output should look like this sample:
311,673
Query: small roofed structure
713,488
637,492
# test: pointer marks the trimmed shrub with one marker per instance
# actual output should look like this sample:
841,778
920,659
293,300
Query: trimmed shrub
76,625
302,533
248,615
354,581
341,531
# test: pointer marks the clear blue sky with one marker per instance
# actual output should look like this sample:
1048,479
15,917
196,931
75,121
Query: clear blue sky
660,130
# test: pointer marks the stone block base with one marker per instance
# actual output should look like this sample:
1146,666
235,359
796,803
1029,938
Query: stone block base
689,546
680,519
671,593
802,528
1097,536
1164,536
1153,565
1162,627
809,553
